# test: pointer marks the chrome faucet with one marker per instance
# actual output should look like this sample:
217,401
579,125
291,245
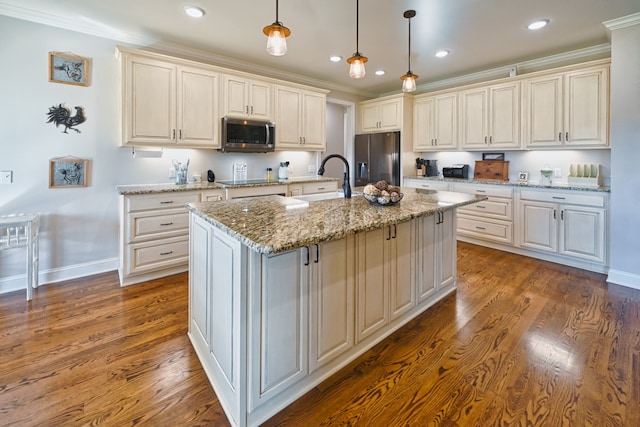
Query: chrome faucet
345,185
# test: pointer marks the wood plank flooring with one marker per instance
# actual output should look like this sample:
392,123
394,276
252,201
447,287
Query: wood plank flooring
521,342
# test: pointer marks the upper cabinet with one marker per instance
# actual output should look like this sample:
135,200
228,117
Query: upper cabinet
167,104
567,110
300,119
490,117
246,98
380,115
435,125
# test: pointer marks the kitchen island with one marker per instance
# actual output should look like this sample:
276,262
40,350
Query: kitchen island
281,298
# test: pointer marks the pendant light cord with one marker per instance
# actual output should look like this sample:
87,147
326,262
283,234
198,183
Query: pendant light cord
409,44
357,25
277,20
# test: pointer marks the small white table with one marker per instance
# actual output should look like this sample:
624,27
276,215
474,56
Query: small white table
18,231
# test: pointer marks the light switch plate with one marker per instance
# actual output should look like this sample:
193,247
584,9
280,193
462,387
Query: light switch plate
6,177
557,172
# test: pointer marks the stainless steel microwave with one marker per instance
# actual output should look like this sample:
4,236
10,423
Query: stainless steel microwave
248,136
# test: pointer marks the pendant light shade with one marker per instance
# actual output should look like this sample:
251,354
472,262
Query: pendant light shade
409,79
276,36
357,61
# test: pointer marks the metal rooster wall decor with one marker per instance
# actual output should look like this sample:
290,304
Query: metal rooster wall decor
61,115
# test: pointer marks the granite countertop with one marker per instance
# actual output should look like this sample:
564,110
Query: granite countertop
266,225
559,186
205,185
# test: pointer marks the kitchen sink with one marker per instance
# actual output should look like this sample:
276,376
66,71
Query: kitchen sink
324,196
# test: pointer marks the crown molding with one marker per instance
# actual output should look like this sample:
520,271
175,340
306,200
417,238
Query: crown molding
625,21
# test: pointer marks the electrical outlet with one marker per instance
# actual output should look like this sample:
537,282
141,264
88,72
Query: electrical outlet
312,169
6,177
557,172
172,172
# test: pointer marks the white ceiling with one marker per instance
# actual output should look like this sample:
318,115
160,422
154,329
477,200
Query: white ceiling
480,34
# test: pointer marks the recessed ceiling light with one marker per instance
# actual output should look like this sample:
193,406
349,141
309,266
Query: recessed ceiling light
380,73
442,53
335,58
194,12
536,25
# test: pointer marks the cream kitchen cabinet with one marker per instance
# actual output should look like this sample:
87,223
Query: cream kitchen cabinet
435,251
312,188
491,219
435,124
168,104
567,223
383,114
567,109
490,117
384,282
300,119
247,98
154,235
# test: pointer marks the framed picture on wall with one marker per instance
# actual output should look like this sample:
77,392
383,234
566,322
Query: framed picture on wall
68,69
68,172
523,176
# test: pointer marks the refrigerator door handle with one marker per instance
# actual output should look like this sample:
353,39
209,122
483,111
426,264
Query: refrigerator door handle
363,170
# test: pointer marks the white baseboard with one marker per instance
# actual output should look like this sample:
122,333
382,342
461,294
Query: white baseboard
623,278
19,282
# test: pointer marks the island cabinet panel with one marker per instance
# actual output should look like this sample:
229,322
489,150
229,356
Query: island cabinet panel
278,343
436,254
332,277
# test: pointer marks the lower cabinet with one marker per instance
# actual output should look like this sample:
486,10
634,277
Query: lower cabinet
435,254
563,223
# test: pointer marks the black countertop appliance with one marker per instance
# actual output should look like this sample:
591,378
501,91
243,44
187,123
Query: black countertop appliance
456,171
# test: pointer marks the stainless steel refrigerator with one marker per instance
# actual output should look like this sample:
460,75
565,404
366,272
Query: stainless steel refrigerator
377,157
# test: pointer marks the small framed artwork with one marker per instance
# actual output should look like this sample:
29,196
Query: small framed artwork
68,69
523,176
492,156
68,172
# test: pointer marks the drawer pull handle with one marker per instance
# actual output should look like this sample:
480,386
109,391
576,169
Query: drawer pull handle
424,186
558,198
166,253
481,207
166,202
481,191
164,224
480,228
320,188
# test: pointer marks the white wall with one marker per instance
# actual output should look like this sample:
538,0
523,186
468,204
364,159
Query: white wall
625,155
79,230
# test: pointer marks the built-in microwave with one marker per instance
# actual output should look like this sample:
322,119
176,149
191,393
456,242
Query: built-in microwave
249,136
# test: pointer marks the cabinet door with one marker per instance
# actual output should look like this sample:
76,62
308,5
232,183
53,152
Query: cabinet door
197,108
279,324
331,300
423,128
445,122
199,279
474,119
235,97
401,272
582,233
586,98
260,100
369,117
390,114
538,225
447,251
543,115
425,249
149,113
314,121
504,116
373,275
288,114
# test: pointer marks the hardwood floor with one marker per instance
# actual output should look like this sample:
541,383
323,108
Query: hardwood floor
521,342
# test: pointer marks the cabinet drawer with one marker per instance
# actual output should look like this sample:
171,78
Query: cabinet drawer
319,187
147,225
160,201
426,184
156,255
493,208
485,190
499,231
578,198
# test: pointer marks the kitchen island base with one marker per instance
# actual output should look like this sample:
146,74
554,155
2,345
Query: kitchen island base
268,328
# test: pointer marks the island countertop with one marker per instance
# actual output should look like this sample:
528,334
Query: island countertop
266,225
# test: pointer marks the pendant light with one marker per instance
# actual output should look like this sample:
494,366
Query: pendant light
356,62
276,36
409,79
